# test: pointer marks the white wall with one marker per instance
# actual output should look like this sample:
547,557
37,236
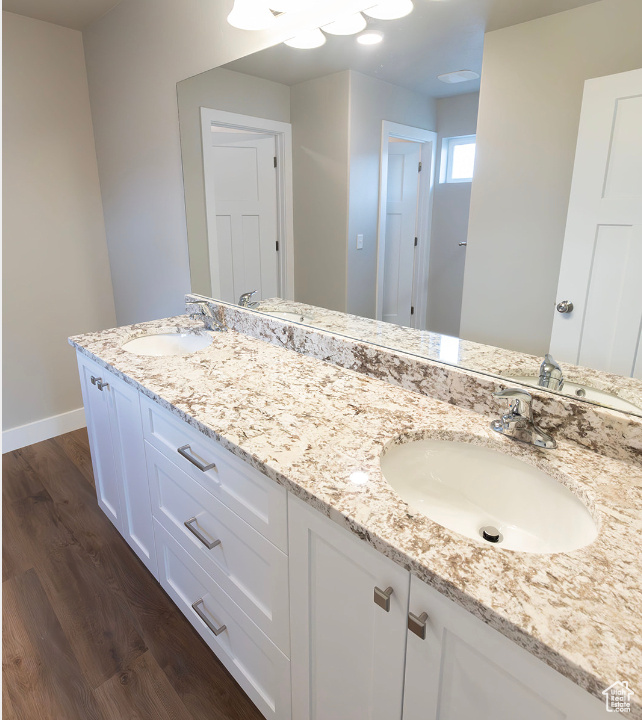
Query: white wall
56,278
456,116
531,91
135,56
319,114
221,90
371,102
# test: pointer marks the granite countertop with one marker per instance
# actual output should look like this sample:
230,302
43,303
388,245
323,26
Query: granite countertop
455,351
310,425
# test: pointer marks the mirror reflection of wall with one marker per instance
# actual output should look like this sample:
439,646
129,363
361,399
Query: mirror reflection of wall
485,265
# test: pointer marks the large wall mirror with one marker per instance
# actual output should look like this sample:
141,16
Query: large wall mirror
468,188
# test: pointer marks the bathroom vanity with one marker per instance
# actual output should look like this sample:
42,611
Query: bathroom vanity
247,478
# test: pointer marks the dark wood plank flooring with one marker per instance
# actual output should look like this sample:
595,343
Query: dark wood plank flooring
88,633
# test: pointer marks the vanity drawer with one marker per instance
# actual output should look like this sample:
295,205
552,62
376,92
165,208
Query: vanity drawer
259,667
257,499
249,568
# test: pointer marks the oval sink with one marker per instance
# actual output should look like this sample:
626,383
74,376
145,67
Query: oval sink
467,488
589,393
168,343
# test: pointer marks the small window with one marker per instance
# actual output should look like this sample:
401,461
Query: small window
458,159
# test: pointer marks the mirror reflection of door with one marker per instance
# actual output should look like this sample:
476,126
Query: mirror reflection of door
602,255
401,230
242,218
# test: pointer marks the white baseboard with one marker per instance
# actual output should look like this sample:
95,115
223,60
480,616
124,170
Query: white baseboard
42,429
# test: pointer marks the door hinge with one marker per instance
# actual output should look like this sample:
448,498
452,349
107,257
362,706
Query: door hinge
275,161
416,241
277,246
412,309
420,166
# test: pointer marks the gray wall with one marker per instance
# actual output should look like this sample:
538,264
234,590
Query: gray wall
531,91
56,278
221,90
319,114
371,102
455,116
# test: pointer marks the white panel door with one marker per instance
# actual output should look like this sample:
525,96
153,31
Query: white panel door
347,653
401,230
602,256
464,669
242,222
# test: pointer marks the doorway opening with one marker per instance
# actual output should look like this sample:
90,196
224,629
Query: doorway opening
406,183
247,169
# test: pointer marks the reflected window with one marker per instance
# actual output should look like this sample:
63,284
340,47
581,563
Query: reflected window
458,159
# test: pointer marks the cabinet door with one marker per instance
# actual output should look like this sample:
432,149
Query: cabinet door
464,669
347,653
131,469
99,430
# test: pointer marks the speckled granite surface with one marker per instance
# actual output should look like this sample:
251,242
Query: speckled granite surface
309,425
600,429
453,351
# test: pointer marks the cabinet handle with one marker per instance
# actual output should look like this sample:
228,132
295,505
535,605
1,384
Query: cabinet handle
195,461
100,384
417,624
93,379
216,630
197,534
382,598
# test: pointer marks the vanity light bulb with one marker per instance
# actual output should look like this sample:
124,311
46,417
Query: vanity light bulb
250,15
371,38
307,40
390,9
349,25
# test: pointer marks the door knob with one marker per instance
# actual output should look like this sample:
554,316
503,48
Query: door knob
566,306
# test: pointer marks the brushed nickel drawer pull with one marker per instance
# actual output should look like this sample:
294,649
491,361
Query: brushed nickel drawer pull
100,384
382,598
196,607
93,379
199,536
417,624
195,461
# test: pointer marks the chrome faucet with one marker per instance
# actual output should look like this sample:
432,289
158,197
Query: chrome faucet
550,374
518,422
246,300
207,316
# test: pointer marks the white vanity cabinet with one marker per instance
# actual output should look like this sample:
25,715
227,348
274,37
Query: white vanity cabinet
114,425
313,623
348,651
458,668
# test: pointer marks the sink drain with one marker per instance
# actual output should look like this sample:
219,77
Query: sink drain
491,534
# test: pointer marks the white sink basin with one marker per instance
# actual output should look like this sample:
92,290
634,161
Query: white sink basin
589,393
291,316
168,343
467,487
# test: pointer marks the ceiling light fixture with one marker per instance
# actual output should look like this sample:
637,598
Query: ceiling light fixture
348,25
370,38
307,40
458,76
390,9
250,15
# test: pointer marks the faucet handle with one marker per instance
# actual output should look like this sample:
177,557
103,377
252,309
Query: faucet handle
244,300
517,396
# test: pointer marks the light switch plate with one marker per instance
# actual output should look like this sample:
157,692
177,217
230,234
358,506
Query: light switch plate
359,242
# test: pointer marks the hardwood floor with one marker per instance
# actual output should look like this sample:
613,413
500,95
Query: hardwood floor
88,633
